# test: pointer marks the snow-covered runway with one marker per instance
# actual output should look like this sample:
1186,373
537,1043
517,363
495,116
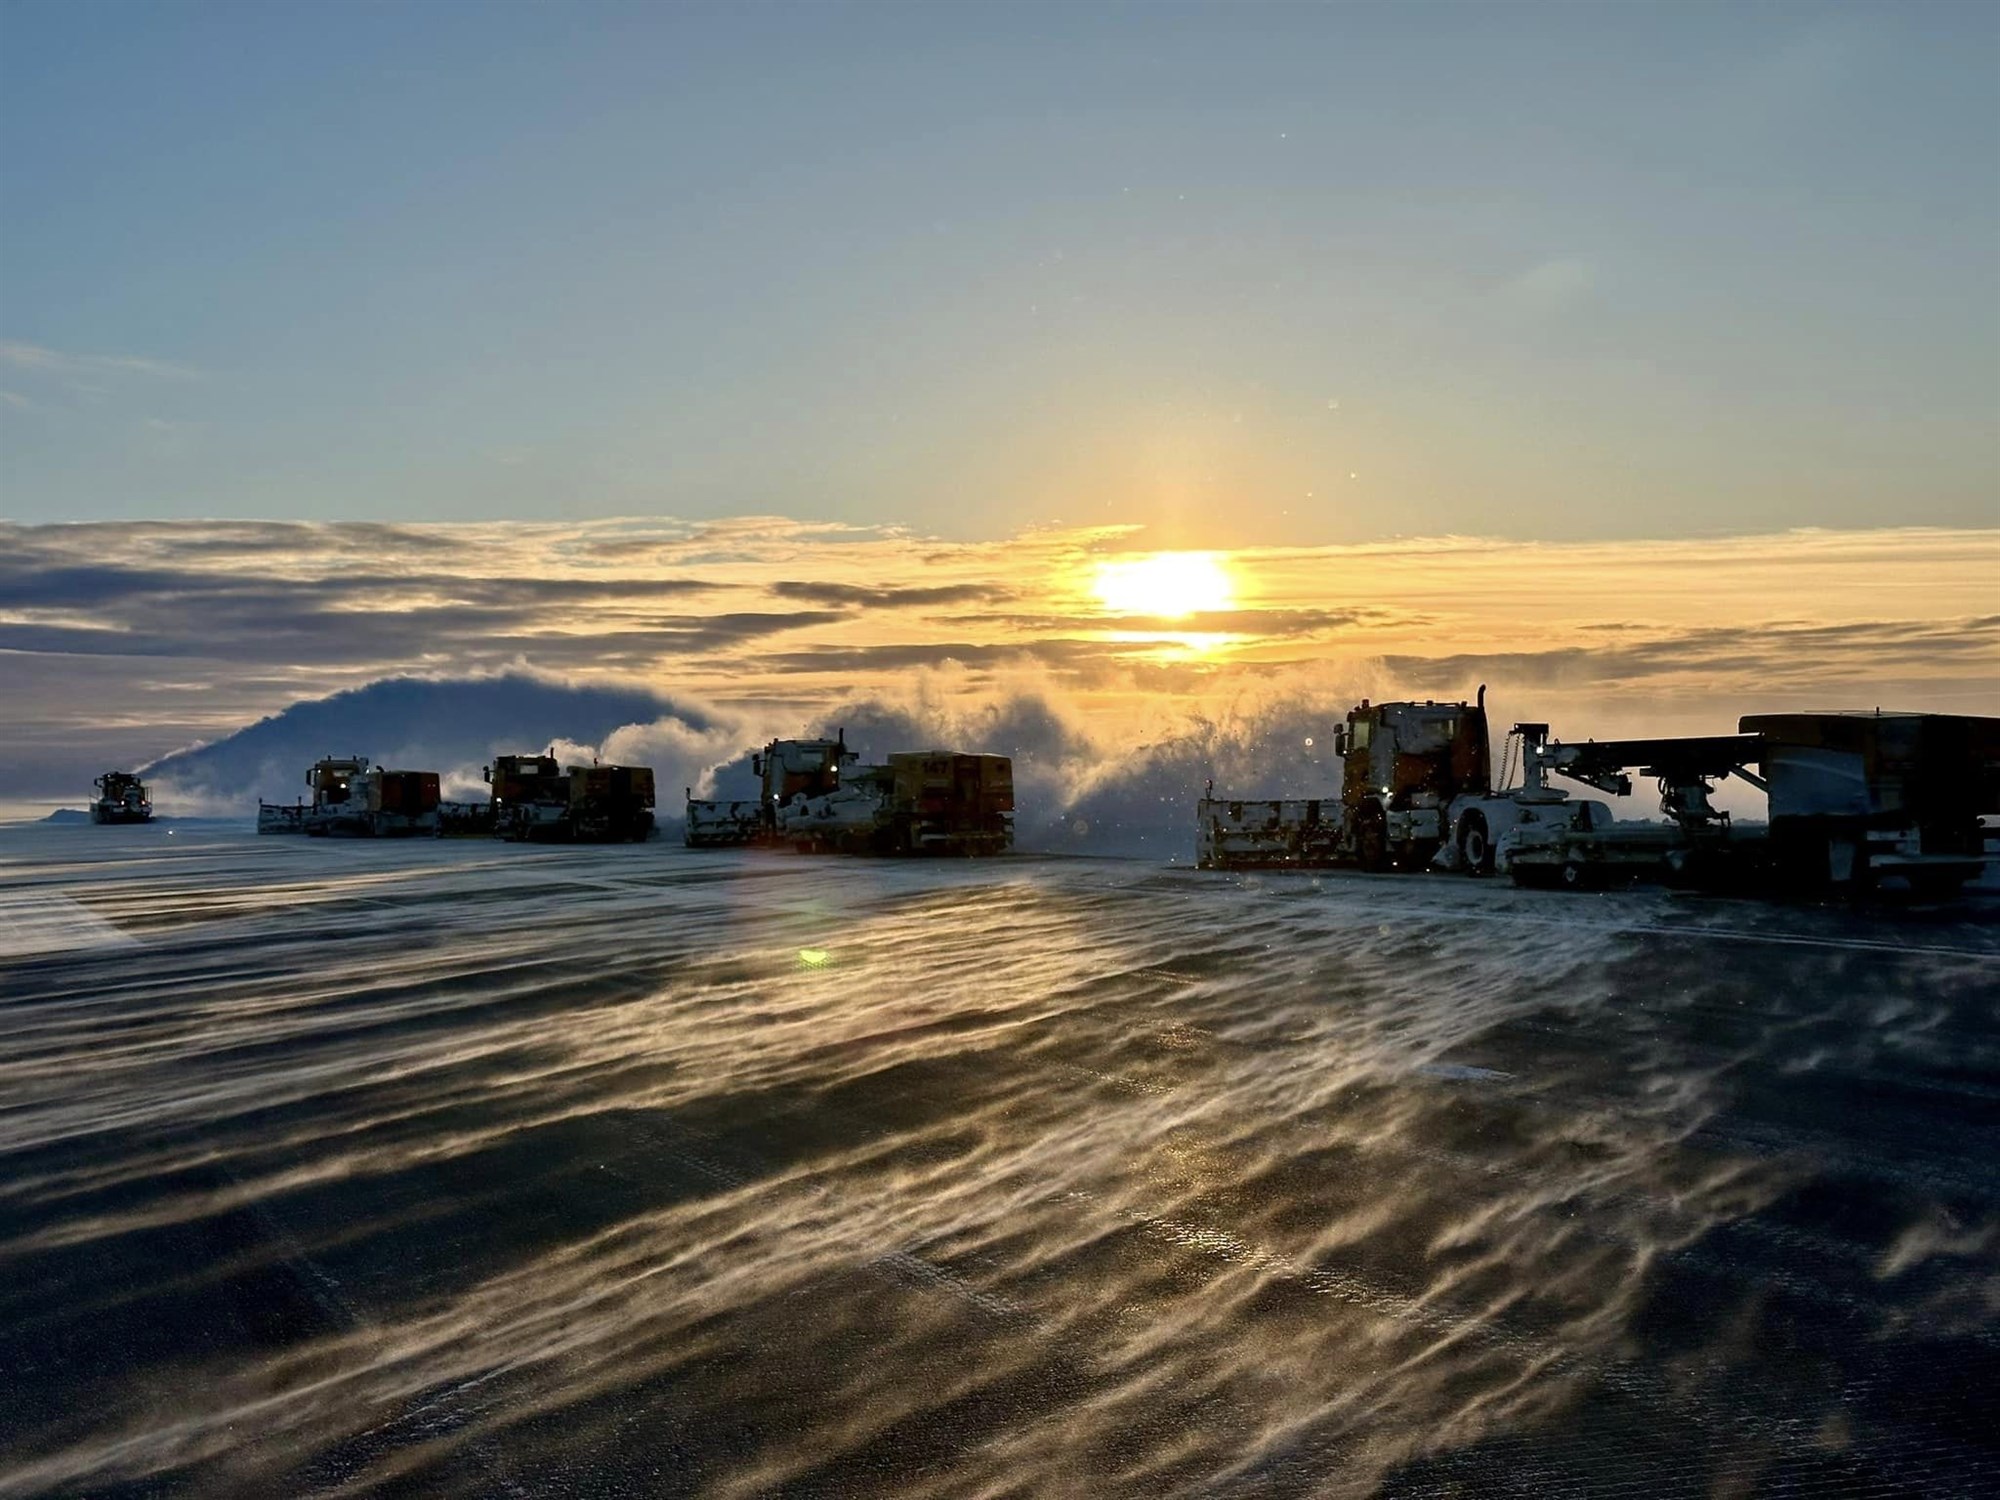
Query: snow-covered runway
467,1168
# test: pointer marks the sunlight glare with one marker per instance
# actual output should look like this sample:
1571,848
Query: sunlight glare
1167,584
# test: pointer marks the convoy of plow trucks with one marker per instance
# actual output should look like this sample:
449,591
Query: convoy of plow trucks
533,798
814,797
1857,802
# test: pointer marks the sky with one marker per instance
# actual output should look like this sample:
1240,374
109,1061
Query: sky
1241,274
779,363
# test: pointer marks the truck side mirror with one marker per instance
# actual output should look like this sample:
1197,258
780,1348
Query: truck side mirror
488,774
756,765
1340,743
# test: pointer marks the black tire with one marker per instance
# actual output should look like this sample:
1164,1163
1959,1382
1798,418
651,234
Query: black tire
1867,879
1475,848
1578,876
1371,837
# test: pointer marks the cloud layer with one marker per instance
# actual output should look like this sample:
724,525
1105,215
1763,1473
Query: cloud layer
127,642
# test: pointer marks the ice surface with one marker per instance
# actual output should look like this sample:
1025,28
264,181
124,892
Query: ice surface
471,1169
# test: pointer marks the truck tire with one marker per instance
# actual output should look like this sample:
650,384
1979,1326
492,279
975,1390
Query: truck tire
1371,837
1475,849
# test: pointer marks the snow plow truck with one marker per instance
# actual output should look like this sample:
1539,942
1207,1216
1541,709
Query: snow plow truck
352,799
1416,790
121,798
814,797
1857,802
536,799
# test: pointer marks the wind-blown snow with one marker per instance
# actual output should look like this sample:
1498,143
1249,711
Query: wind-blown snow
1074,790
465,1169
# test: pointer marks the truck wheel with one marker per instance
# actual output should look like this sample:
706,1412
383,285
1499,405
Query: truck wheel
1578,876
1371,837
1475,849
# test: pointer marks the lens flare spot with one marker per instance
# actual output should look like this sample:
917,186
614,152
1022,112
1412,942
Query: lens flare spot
814,958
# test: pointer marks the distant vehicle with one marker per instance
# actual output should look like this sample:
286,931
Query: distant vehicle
815,798
536,799
121,798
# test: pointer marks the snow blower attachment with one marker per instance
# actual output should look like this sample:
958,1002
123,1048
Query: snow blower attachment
815,798
331,782
1857,802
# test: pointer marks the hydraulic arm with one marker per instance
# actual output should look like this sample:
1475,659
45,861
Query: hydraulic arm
1685,769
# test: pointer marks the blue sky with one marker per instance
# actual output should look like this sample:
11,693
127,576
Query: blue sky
1242,274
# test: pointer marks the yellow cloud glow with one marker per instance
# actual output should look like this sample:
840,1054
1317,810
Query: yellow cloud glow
772,624
1167,584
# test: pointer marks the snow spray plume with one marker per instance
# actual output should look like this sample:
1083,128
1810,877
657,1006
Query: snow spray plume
1073,789
452,727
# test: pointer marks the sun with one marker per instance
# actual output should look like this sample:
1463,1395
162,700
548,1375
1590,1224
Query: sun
1166,584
